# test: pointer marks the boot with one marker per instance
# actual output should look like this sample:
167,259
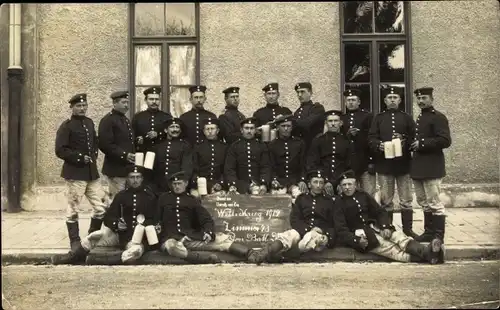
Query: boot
429,253
407,221
390,214
268,253
72,257
113,259
438,223
239,250
202,258
95,225
73,234
428,229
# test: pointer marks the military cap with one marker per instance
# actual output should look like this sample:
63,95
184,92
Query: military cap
249,120
352,92
303,85
271,86
152,90
315,174
133,168
284,118
332,112
424,91
392,90
181,175
231,90
172,121
210,121
119,94
196,88
78,98
349,174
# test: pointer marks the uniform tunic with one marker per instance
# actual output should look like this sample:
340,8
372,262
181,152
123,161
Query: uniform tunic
193,122
358,212
129,204
361,154
330,153
230,124
288,160
146,121
171,156
183,215
208,162
309,121
433,134
383,127
116,139
247,161
268,113
311,211
75,138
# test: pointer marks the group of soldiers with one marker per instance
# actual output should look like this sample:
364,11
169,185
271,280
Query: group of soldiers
328,161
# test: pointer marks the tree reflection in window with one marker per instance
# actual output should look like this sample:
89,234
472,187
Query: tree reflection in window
389,16
357,62
164,19
391,62
358,16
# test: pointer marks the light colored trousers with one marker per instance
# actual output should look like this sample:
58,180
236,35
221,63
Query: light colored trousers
108,238
387,185
94,193
222,243
368,183
427,192
394,248
312,241
115,185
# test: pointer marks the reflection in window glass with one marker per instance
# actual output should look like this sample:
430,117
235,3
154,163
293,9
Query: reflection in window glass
389,16
147,65
392,62
358,16
182,65
149,19
402,106
365,95
357,62
179,100
180,19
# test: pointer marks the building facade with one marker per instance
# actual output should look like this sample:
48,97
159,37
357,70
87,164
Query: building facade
99,48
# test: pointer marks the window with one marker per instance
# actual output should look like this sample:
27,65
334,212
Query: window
164,51
375,50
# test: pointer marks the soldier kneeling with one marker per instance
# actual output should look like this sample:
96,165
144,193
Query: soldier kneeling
312,223
186,226
132,208
365,226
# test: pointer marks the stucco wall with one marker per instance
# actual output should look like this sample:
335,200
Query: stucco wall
250,44
456,50
83,48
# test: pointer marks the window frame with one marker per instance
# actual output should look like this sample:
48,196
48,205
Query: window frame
375,38
164,42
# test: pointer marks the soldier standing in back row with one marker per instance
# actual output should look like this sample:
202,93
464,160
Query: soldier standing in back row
76,144
116,141
428,165
230,120
272,109
193,118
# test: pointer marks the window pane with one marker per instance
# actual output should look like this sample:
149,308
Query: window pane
358,16
180,19
366,96
357,62
392,62
147,65
402,105
140,102
182,65
389,16
179,100
149,19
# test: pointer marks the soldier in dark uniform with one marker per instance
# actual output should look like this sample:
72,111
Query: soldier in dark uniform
133,206
247,167
428,164
288,156
309,115
116,141
311,220
77,144
362,224
209,157
272,109
186,226
390,124
174,154
356,125
330,151
230,121
148,124
194,117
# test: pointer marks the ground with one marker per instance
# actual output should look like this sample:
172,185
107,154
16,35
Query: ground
329,285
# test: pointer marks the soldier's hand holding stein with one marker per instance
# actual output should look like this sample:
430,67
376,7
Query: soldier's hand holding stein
262,190
400,137
217,187
122,226
302,187
275,184
87,159
329,188
207,238
140,140
232,190
131,157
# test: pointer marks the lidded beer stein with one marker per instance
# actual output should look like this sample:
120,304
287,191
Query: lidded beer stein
149,160
139,230
202,186
273,134
388,150
266,133
398,148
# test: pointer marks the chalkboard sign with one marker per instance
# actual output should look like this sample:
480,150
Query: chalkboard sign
252,220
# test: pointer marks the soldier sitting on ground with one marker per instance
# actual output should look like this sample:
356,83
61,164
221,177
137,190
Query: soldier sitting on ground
130,207
364,225
186,226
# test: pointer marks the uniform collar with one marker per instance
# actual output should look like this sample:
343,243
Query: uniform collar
272,106
429,109
136,190
117,112
152,111
198,110
78,117
306,103
231,107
